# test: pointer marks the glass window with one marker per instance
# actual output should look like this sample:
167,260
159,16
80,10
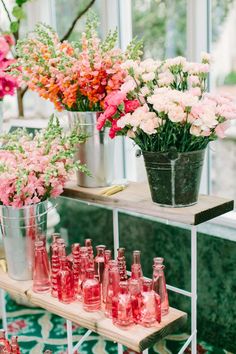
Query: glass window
162,25
223,80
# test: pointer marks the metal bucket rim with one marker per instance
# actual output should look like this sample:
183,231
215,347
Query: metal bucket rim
167,152
23,217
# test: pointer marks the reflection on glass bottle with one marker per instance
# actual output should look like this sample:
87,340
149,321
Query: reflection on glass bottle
122,263
88,244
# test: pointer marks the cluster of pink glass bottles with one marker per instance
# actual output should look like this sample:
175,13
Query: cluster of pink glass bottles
7,347
100,280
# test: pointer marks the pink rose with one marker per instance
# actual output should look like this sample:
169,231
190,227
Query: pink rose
130,106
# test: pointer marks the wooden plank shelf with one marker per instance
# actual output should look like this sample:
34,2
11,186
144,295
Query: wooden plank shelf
136,338
136,198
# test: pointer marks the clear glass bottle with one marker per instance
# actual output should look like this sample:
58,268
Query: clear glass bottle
99,262
55,267
91,292
149,305
88,244
65,283
113,286
137,260
75,248
107,256
122,315
4,342
41,273
159,284
15,349
122,263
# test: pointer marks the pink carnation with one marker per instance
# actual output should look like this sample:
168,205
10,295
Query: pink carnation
130,106
115,98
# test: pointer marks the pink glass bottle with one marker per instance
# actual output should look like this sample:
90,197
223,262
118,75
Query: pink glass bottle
54,237
91,292
88,244
55,267
41,274
61,247
137,260
149,305
76,264
135,287
105,280
122,263
99,262
122,315
84,265
4,342
113,286
159,284
15,349
65,283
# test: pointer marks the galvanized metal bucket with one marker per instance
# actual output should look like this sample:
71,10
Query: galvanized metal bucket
97,152
20,228
174,178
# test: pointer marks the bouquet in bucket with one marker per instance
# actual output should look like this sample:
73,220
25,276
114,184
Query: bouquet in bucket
74,76
163,104
164,108
8,84
35,168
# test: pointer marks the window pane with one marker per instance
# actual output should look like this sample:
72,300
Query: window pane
162,25
63,23
223,169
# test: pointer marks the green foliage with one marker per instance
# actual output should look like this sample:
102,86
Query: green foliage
21,2
14,26
18,12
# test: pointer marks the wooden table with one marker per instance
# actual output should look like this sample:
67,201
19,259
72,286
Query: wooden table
137,338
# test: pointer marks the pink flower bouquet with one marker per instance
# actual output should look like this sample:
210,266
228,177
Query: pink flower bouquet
33,169
74,76
163,104
8,83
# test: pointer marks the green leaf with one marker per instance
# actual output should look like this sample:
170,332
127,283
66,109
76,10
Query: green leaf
14,26
18,12
20,2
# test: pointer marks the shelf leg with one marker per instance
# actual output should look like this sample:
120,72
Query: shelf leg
85,336
120,348
69,337
116,242
194,289
3,310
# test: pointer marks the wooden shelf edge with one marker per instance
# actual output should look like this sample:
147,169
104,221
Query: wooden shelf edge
136,198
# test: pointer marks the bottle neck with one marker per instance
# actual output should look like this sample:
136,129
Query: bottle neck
136,257
124,287
147,285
